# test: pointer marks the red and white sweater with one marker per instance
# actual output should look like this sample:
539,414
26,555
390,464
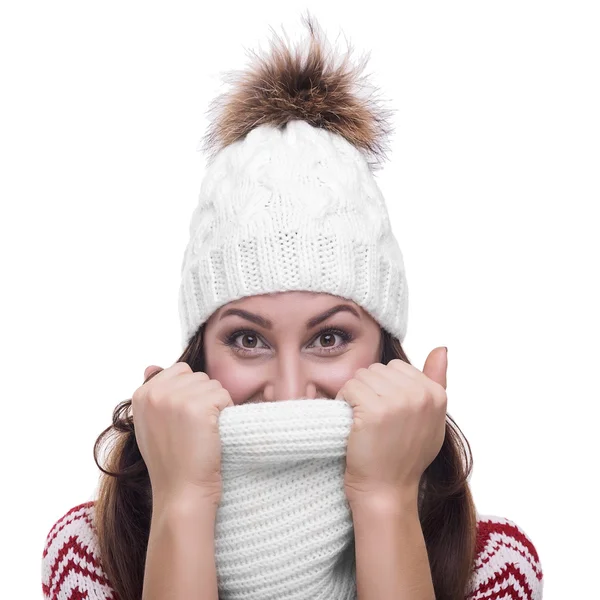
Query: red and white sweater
506,567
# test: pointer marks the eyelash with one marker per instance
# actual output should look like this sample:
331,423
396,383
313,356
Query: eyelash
346,338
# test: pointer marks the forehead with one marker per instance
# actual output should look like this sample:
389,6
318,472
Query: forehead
282,306
296,297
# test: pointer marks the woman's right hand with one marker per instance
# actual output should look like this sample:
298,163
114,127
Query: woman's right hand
175,416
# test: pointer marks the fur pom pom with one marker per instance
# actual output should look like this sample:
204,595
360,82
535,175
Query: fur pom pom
309,82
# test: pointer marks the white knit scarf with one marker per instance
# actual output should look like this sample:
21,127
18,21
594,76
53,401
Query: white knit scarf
284,528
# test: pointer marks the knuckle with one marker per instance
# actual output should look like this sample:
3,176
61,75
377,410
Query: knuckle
376,366
154,397
438,393
224,393
140,395
181,367
420,398
378,413
135,397
214,383
427,399
210,385
442,398
190,408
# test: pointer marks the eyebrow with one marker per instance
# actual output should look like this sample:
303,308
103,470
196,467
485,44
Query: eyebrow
267,324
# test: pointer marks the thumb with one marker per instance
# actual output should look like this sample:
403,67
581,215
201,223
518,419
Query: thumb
436,365
150,371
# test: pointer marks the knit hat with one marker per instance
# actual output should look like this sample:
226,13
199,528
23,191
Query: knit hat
289,200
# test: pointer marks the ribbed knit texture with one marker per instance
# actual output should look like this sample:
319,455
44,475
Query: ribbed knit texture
284,527
291,209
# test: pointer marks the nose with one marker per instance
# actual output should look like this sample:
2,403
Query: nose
291,379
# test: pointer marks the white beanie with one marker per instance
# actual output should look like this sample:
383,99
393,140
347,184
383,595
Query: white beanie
289,200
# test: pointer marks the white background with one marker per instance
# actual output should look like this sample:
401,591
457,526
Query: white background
492,188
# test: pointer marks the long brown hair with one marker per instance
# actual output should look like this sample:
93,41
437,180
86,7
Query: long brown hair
123,508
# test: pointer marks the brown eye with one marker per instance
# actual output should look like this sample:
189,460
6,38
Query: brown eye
243,341
252,339
330,337
326,340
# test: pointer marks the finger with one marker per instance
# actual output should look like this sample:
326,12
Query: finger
436,366
405,368
151,370
380,380
356,392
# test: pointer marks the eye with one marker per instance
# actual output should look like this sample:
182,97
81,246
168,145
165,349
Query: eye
329,336
249,335
326,336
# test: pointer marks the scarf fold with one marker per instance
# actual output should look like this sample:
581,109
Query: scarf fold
284,527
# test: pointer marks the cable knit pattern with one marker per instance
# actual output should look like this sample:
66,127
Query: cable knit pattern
291,209
284,527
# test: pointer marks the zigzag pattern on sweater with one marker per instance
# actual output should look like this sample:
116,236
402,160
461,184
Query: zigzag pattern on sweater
506,567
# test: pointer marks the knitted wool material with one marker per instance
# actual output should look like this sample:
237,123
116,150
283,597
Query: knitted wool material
506,565
284,527
291,209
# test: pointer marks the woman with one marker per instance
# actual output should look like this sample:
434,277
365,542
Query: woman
293,289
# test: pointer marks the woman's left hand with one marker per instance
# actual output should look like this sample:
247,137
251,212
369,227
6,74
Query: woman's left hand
399,425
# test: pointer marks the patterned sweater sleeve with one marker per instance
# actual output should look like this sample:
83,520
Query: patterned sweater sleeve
71,568
507,564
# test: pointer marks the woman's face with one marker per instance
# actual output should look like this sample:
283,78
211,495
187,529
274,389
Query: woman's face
265,348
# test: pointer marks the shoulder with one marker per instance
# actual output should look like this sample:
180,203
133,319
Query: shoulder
507,564
71,561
